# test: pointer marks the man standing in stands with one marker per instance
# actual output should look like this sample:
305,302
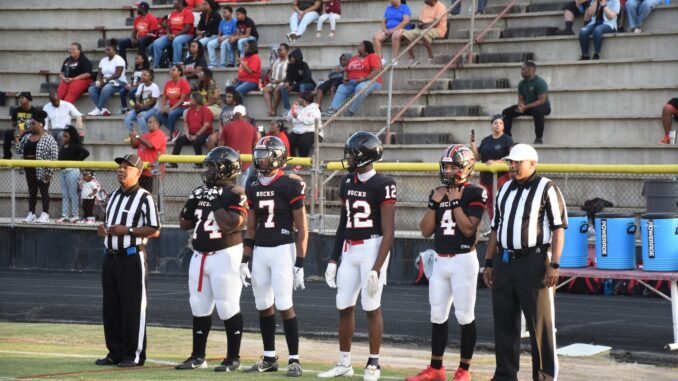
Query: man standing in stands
21,121
240,135
533,100
144,33
59,116
149,148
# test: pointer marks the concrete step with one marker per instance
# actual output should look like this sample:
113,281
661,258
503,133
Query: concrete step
533,31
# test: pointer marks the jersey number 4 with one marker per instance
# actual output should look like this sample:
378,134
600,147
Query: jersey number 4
447,223
361,217
209,225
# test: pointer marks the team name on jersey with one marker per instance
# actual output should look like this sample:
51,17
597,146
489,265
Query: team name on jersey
266,193
356,193
206,204
445,204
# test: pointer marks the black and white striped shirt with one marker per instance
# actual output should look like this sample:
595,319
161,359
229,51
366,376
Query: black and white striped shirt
526,214
134,208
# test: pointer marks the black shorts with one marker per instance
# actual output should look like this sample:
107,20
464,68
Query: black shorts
572,7
330,83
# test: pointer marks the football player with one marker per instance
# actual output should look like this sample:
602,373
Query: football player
363,241
216,212
454,213
276,207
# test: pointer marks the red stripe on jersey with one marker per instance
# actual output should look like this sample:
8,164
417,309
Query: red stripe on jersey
300,197
476,203
391,201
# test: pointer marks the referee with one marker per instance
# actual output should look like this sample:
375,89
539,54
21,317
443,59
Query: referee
528,226
131,218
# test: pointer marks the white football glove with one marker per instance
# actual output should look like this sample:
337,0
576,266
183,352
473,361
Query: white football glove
372,283
299,278
330,274
245,274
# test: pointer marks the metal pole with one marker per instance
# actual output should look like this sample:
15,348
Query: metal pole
471,32
315,171
161,198
674,310
13,182
494,189
389,105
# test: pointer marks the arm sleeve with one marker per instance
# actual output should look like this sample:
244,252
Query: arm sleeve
554,205
339,237
387,193
188,211
477,203
83,153
237,201
296,193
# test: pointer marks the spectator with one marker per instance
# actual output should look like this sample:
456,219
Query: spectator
277,75
493,148
110,79
180,32
603,14
572,9
209,91
59,116
637,11
240,135
21,117
332,13
249,70
430,12
334,79
144,32
149,147
197,128
89,187
457,9
194,60
532,100
303,116
175,93
396,17
37,145
140,63
298,78
227,29
361,69
208,26
231,99
670,111
305,12
277,128
145,102
72,150
76,74
247,31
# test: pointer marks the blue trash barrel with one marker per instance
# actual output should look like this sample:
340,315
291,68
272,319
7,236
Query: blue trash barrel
575,249
659,232
615,241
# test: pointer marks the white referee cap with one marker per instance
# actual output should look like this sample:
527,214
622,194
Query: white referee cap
521,152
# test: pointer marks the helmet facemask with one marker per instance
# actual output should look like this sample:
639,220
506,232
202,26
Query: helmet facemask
266,161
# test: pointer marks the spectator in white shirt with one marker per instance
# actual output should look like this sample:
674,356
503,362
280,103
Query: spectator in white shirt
110,79
59,115
145,102
303,116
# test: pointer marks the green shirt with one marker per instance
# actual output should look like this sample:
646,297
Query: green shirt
531,89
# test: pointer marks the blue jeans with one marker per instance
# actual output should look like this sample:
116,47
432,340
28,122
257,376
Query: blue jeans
177,45
227,56
457,9
140,117
638,10
123,96
126,43
245,87
299,27
597,31
345,91
99,96
300,87
241,44
166,119
69,188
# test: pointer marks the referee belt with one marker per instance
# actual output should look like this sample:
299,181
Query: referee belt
133,250
522,253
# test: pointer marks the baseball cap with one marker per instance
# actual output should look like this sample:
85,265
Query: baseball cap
26,94
144,5
39,116
240,109
521,152
132,159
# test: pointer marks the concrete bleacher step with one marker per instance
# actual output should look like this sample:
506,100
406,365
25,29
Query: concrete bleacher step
504,57
424,138
412,112
480,83
496,9
535,31
546,6
446,110
439,84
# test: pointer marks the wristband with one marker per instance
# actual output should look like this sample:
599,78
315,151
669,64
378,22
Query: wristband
245,259
248,242
299,262
488,263
455,204
433,205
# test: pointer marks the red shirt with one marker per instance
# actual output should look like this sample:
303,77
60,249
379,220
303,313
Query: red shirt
150,155
282,136
190,4
241,136
360,67
254,63
177,20
196,118
174,90
145,25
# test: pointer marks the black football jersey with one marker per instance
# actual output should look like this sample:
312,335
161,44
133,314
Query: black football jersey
362,204
207,235
448,238
273,205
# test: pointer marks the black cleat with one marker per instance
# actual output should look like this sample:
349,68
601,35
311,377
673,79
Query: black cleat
263,366
228,365
106,361
127,364
192,363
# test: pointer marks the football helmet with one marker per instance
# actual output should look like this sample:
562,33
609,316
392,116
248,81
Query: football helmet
221,164
361,149
462,160
269,154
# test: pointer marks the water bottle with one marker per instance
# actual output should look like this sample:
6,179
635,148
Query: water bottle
608,287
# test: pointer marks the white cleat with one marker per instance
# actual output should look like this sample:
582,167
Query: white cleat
372,373
338,371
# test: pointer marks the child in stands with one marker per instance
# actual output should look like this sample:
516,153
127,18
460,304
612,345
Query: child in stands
89,187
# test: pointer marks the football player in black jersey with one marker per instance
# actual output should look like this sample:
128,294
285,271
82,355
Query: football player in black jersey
276,207
363,241
216,212
454,213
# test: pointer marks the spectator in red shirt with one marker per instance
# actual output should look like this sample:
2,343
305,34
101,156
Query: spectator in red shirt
180,32
175,93
249,70
144,32
197,127
149,148
239,134
76,74
361,69
277,128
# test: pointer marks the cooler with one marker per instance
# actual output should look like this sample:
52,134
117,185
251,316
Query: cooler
659,232
575,248
615,241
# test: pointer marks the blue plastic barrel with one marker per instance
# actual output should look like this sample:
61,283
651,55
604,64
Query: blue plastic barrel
615,241
575,249
660,241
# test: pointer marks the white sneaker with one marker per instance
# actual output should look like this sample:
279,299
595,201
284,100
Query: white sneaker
74,219
30,217
43,219
372,373
62,219
95,112
90,221
338,371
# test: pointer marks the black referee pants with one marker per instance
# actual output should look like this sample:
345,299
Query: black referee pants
123,279
519,286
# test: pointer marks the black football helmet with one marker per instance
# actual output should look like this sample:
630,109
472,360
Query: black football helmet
269,154
221,165
462,160
361,149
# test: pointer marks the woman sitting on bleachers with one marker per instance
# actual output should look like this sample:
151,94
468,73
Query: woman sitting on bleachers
76,74
603,15
110,79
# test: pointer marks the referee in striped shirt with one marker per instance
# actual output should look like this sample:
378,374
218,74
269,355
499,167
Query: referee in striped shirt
131,218
527,238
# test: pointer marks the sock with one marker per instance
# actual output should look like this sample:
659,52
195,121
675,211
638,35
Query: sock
345,358
373,360
201,328
568,26
234,327
464,365
439,334
468,340
267,325
291,328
